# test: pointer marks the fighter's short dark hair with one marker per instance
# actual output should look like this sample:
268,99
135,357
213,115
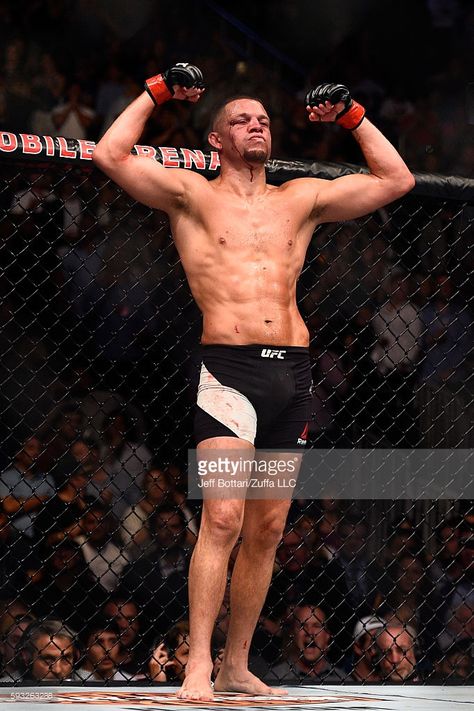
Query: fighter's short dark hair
219,108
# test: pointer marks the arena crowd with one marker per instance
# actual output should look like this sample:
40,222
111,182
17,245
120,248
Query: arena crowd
99,341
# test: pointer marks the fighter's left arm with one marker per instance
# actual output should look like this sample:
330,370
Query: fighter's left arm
352,196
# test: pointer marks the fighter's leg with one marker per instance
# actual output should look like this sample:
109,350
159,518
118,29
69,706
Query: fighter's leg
264,521
221,524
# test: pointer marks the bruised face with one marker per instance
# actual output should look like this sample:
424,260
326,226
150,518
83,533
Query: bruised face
243,130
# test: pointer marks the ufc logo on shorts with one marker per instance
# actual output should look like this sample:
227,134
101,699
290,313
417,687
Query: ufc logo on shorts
268,353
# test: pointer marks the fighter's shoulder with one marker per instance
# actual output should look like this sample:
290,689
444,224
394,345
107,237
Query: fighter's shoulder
194,186
303,191
303,185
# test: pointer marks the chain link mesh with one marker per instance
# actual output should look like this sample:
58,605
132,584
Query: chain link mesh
100,357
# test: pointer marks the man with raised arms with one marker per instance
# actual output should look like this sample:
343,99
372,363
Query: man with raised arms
242,244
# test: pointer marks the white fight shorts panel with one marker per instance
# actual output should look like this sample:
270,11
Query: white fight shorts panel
227,405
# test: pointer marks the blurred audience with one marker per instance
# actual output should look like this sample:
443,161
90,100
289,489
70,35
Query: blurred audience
125,460
398,328
158,579
159,489
101,644
456,664
68,589
24,488
305,653
9,644
100,546
94,524
134,650
384,651
48,651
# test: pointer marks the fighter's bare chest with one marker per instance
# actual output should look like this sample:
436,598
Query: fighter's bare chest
256,226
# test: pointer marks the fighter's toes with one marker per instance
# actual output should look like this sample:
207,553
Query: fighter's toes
196,687
246,683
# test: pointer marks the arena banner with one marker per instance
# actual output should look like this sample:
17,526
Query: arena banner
58,149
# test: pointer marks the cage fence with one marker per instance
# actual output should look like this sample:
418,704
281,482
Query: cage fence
99,369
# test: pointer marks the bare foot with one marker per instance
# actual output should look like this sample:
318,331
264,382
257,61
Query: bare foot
197,686
245,682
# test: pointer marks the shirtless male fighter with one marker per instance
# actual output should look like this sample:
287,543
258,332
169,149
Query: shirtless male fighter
242,244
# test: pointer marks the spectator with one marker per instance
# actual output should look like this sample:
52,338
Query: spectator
354,577
445,395
157,664
459,618
364,668
9,649
68,591
398,328
384,651
73,118
445,574
86,453
48,652
457,612
125,460
24,489
300,573
327,524
100,545
403,537
61,516
101,641
157,580
446,568
177,645
159,489
110,90
305,656
402,592
447,339
133,650
58,434
130,90
48,86
81,261
456,664
351,568
12,610
20,565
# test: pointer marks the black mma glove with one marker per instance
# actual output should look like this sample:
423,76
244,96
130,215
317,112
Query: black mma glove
352,114
160,87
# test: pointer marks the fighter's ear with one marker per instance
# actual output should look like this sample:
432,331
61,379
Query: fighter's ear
214,140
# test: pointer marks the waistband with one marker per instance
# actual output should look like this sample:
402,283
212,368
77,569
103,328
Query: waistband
258,350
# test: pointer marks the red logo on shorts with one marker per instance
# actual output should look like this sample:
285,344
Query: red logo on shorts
302,439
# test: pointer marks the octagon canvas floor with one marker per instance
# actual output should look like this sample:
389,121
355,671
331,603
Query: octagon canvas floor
307,698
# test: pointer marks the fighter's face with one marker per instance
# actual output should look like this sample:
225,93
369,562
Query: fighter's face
245,130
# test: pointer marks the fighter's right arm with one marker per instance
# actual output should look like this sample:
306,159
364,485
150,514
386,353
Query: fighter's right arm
143,178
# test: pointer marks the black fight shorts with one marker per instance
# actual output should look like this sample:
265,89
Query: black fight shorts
261,394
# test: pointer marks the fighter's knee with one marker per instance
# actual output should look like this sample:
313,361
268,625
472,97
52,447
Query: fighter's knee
268,532
223,526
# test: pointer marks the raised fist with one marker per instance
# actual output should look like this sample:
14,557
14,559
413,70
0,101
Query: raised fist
181,81
333,102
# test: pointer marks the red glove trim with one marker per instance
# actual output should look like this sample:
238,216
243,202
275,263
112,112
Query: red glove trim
157,89
352,118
